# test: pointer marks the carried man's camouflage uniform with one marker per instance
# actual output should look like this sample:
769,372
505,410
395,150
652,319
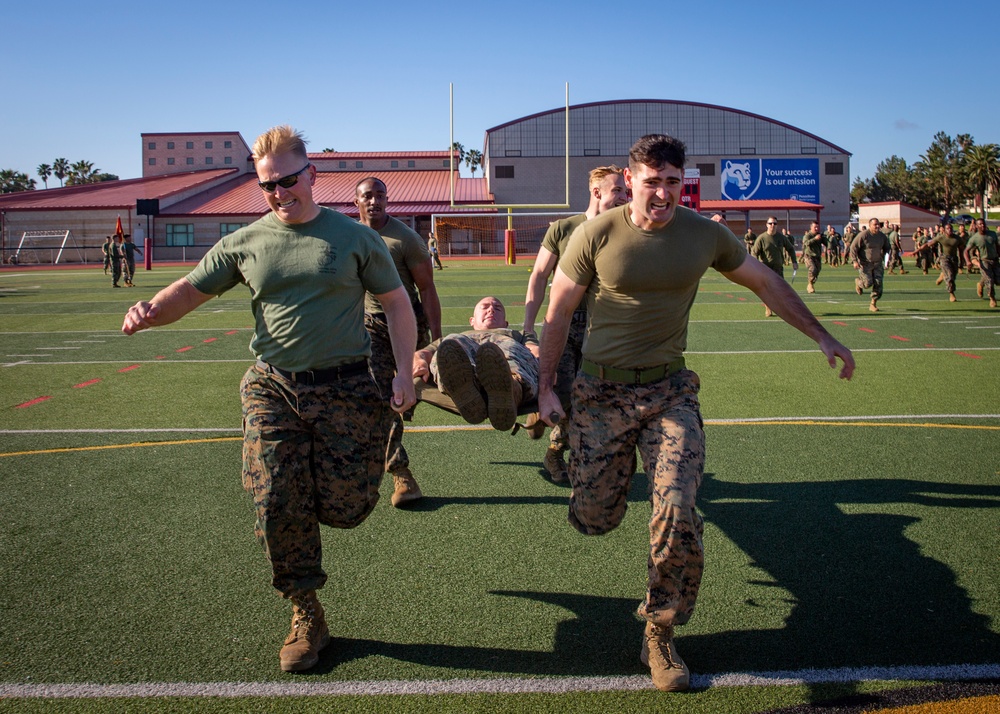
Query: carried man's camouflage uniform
313,445
639,267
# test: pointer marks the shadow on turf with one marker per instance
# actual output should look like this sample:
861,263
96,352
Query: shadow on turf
861,592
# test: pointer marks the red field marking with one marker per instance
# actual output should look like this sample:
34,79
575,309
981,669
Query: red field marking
185,349
928,345
842,324
728,295
129,368
232,332
160,357
81,385
966,354
866,329
33,402
742,299
210,339
897,337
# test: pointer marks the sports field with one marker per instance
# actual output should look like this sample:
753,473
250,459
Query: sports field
851,527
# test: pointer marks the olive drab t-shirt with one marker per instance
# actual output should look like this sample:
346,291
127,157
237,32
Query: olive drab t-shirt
407,250
307,286
641,284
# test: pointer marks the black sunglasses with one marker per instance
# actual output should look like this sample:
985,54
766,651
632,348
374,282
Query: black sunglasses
285,181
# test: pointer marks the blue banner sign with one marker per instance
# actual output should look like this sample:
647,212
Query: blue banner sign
746,179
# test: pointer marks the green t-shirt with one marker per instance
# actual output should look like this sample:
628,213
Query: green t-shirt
557,236
813,244
770,249
985,244
950,245
641,284
869,248
307,284
407,250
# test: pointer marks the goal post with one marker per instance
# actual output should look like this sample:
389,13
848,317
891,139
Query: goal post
490,235
55,242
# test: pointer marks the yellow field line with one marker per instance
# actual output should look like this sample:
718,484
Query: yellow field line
708,422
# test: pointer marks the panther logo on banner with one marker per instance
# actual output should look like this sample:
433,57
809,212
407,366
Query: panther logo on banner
740,179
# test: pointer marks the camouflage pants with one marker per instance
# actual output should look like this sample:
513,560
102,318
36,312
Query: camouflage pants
871,275
949,268
523,365
311,455
895,258
814,265
383,368
663,420
989,275
569,365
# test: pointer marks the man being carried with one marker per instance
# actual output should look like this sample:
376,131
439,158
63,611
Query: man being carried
488,371
639,267
413,263
607,190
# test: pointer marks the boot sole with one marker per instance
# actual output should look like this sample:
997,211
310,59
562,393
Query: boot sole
458,381
493,373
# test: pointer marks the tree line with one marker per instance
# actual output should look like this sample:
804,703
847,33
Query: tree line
75,174
950,174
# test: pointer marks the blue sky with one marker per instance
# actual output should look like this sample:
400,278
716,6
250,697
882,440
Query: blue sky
84,80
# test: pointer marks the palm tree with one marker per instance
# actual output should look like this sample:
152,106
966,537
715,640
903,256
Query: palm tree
982,162
473,159
60,169
82,172
455,146
44,171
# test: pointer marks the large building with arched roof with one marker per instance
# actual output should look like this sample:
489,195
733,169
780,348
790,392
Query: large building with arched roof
741,158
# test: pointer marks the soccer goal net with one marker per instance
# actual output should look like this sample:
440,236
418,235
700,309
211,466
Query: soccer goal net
46,247
484,233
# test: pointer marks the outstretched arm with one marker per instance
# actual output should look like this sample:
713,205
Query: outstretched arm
779,295
564,296
403,335
169,305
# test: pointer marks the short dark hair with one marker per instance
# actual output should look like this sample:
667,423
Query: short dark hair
656,150
366,179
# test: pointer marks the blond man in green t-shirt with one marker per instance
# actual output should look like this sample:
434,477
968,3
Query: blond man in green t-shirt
312,440
638,267
607,191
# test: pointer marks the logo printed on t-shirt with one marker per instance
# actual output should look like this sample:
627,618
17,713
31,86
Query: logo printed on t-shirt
328,261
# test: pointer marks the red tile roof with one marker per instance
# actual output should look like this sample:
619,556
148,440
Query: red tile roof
410,192
381,155
111,194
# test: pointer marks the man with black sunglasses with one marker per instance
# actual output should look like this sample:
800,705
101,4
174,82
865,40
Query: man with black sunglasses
413,263
312,414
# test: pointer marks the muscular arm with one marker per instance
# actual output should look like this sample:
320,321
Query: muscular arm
779,295
403,334
545,263
423,278
563,299
169,305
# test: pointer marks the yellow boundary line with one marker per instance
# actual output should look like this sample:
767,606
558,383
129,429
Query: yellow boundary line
433,429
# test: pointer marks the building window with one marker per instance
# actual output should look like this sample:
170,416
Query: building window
394,164
227,228
208,160
180,234
446,163
410,164
170,161
228,160
341,164
504,172
170,144
811,149
152,162
586,152
227,144
208,144
835,168
190,145
359,164
189,161
706,169
152,146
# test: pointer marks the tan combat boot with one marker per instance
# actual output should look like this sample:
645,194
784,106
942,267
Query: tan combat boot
502,392
309,634
534,426
810,288
979,289
660,654
873,307
555,465
405,487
